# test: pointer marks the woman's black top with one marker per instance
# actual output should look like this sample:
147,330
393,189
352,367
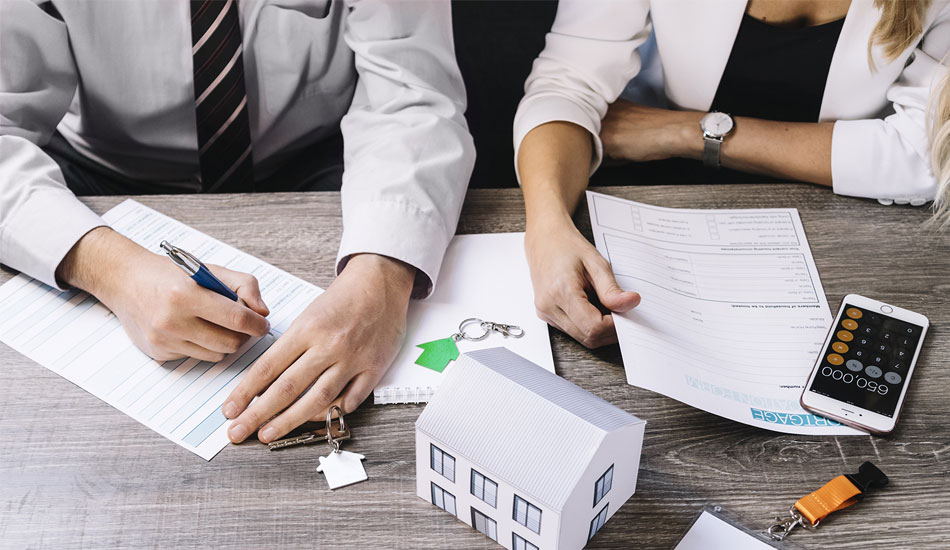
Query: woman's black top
777,73
773,73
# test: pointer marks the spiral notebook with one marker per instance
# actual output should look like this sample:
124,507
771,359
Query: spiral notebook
484,276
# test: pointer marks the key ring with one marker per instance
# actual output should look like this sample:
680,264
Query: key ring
486,327
334,443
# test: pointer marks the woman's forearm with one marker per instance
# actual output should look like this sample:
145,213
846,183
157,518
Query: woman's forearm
799,151
554,164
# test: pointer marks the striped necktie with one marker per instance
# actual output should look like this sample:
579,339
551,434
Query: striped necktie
224,132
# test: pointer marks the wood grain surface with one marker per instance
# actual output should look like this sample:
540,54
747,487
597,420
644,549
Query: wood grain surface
76,473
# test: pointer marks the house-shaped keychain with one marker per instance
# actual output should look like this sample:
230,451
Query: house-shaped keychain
524,456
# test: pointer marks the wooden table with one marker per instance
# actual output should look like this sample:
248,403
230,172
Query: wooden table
75,473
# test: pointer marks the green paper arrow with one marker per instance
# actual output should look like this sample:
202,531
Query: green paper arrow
437,354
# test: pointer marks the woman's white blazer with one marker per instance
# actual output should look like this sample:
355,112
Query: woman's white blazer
880,147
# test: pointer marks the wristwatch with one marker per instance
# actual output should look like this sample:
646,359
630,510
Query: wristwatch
715,127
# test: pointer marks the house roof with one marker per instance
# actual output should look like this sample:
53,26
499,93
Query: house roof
520,423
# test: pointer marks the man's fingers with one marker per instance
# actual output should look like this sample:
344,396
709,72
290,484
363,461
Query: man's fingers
605,285
229,314
197,351
324,391
215,338
265,370
281,393
244,285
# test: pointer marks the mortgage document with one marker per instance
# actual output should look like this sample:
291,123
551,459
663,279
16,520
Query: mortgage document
732,316
74,335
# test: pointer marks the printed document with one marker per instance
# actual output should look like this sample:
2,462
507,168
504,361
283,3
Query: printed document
74,335
732,316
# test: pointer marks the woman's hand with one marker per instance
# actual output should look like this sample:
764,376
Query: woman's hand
637,133
567,271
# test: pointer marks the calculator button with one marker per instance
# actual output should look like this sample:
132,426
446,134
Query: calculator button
906,342
853,312
888,337
844,336
893,378
849,324
873,371
902,355
872,319
877,359
840,347
866,330
835,359
854,365
895,365
909,331
863,341
860,353
882,348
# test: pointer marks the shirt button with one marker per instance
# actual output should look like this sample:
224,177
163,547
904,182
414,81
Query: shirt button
901,201
918,202
885,202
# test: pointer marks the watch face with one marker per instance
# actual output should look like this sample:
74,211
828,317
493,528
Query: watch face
716,124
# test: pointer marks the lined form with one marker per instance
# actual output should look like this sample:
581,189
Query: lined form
732,315
74,335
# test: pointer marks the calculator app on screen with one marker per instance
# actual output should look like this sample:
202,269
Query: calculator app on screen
868,360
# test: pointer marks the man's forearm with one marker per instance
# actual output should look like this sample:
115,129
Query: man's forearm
94,259
554,164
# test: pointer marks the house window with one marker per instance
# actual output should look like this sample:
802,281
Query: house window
484,525
602,487
518,543
484,488
443,499
598,522
527,514
442,462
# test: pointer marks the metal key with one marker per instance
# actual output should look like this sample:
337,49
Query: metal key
316,436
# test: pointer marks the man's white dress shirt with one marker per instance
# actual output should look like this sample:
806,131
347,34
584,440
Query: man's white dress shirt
116,79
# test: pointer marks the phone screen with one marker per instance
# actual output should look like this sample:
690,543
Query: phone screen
867,361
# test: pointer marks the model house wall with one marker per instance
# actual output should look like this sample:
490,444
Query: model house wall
465,501
537,442
620,449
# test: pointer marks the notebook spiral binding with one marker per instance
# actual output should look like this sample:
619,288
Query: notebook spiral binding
402,394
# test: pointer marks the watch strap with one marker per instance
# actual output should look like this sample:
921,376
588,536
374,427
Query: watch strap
711,148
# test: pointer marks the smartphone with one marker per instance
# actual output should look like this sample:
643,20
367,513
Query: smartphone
865,366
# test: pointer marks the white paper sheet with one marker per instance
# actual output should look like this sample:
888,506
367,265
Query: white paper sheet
484,276
74,335
712,533
732,316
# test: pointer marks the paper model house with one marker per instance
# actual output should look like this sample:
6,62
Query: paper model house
524,456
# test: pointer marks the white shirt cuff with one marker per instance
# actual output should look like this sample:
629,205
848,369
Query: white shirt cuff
541,109
398,230
868,160
42,230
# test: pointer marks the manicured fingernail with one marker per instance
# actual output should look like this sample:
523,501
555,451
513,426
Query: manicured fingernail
267,434
237,432
230,409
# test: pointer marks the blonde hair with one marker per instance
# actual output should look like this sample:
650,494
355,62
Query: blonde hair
900,27
939,133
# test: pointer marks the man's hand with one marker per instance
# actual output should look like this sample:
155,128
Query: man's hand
566,270
637,133
334,352
164,312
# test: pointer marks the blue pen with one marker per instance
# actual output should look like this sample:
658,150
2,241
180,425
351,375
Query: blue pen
198,272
